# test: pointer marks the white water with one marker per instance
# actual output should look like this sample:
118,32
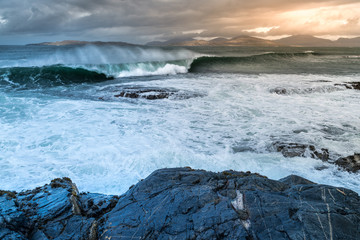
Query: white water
106,146
139,69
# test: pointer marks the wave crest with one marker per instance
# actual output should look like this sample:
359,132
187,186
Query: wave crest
57,75
48,76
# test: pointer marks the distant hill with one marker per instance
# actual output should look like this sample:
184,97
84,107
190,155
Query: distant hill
236,41
305,41
240,41
348,42
247,41
74,42
311,41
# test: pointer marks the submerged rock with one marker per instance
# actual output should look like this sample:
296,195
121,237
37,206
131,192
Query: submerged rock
279,90
182,203
150,94
350,85
155,93
355,85
301,150
308,90
349,163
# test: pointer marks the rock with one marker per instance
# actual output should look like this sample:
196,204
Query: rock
355,85
53,211
350,85
301,150
150,94
13,222
155,93
279,90
349,163
307,90
187,204
95,205
182,203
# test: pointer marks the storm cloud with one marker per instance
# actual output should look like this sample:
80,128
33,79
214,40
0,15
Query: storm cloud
139,21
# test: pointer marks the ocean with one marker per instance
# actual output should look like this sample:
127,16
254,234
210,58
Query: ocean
107,116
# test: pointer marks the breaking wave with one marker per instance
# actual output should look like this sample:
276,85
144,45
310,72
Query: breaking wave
56,75
89,64
227,64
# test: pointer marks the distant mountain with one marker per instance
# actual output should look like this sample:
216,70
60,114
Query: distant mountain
171,42
240,41
236,41
348,42
305,41
74,42
311,41
250,41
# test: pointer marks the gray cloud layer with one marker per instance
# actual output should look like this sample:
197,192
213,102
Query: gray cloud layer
23,21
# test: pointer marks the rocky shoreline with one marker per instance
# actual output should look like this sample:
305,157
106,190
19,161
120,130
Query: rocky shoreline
182,203
349,163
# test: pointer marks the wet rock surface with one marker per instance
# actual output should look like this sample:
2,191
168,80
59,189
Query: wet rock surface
309,90
182,203
318,89
155,93
350,163
350,85
150,94
301,150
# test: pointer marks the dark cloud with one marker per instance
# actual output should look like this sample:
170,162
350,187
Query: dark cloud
146,20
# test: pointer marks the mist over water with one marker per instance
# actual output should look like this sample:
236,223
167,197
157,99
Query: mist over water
223,115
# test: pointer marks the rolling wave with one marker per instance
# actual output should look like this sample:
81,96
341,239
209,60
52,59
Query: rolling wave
81,65
57,75
48,76
205,63
48,67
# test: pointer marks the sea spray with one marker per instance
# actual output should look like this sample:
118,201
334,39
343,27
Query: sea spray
96,55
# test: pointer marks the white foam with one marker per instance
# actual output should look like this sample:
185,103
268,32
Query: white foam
139,69
106,146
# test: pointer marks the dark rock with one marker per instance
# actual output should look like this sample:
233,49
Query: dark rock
155,93
183,203
350,85
150,94
95,205
355,85
301,150
349,163
186,204
53,211
13,222
308,90
279,90
321,81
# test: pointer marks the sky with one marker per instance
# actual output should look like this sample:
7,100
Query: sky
141,21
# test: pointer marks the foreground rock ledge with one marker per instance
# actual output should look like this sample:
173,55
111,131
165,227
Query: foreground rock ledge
182,203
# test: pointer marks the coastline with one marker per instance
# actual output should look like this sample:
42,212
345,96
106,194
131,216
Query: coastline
185,203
